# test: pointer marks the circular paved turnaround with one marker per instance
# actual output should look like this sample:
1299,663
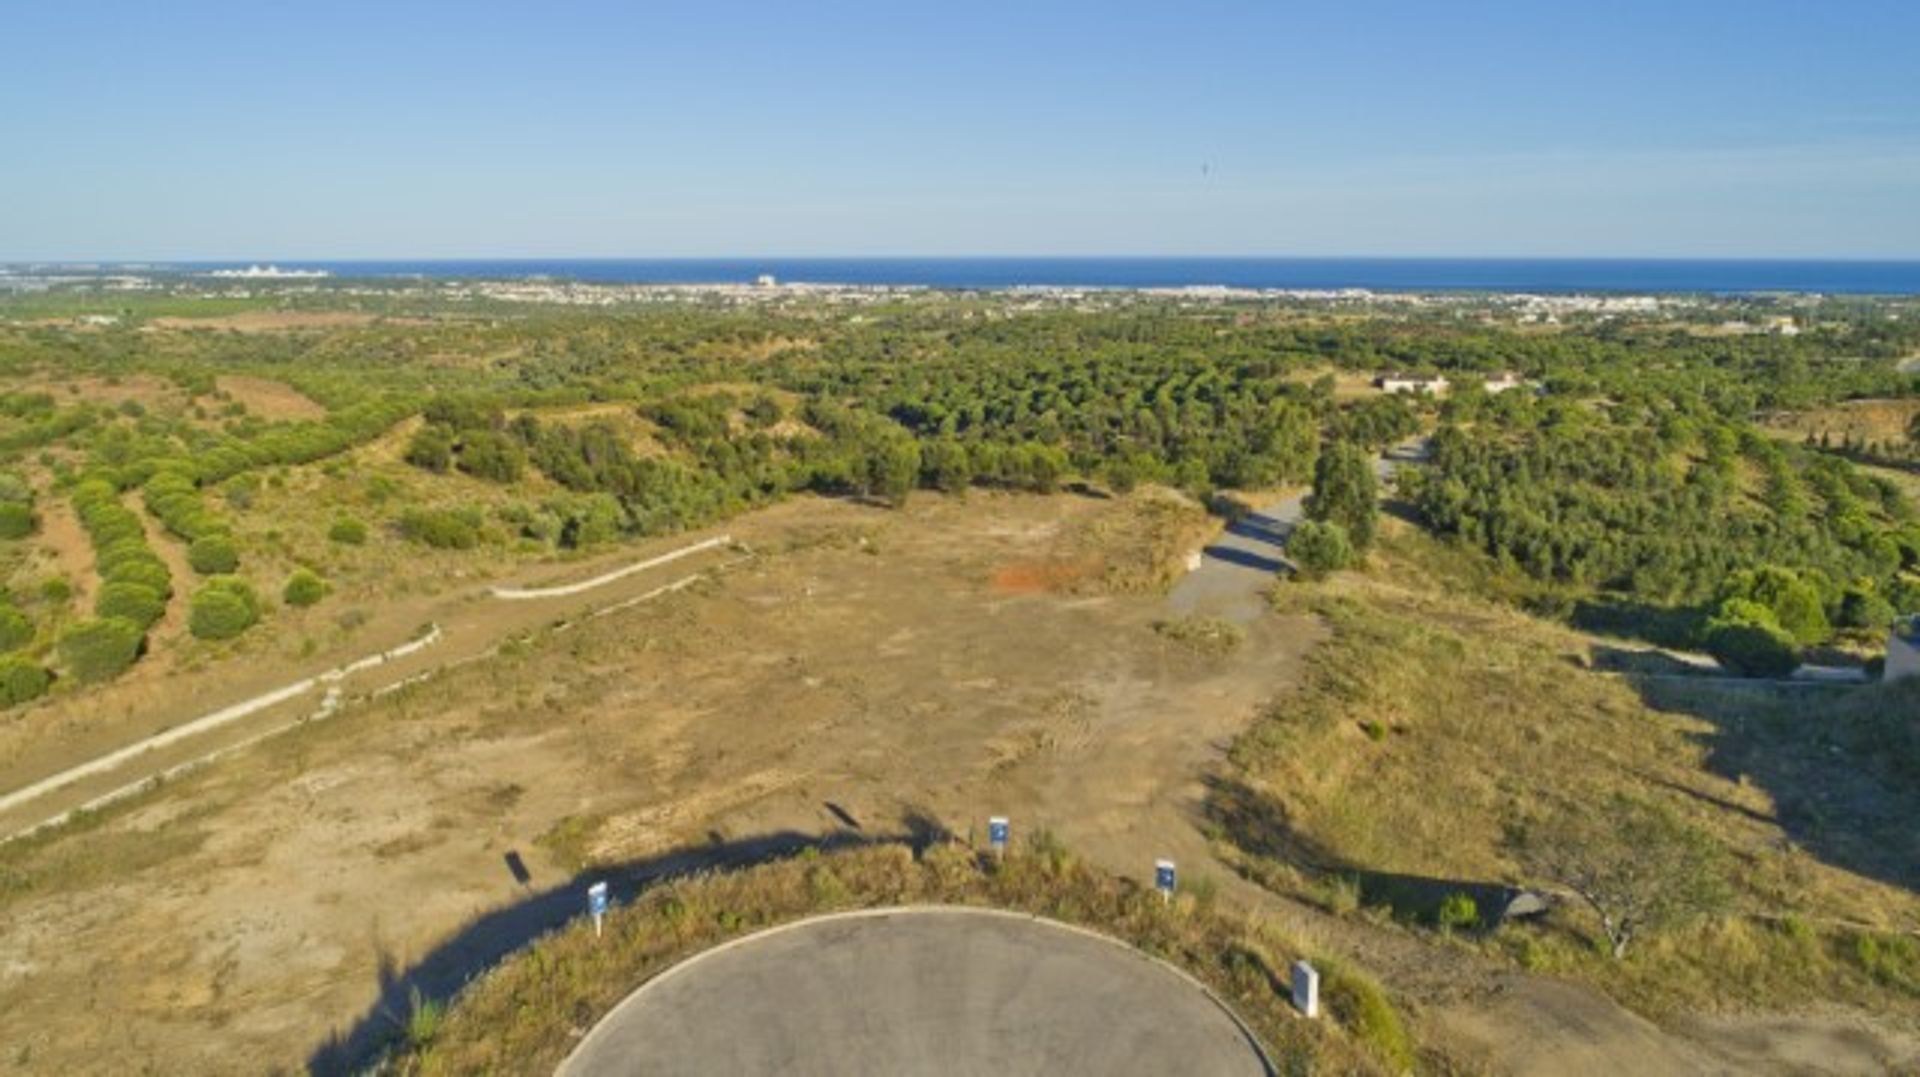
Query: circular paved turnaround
919,991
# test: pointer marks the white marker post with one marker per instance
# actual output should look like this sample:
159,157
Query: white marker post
597,905
998,830
1306,989
1164,879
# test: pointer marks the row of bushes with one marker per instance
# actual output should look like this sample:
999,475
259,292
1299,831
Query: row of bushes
135,586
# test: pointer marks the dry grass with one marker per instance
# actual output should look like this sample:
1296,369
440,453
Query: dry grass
525,1015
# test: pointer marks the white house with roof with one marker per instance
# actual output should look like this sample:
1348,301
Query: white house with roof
1433,384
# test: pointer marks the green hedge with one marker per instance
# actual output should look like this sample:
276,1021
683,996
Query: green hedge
100,649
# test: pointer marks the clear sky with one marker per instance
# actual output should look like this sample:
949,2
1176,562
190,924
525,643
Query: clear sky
490,129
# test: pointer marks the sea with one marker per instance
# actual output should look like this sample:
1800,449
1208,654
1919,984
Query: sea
1542,275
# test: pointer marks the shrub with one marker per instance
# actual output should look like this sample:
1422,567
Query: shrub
147,571
1318,547
1745,638
304,588
134,602
16,520
222,609
1458,912
213,555
21,680
431,449
443,529
16,630
55,589
1360,1005
348,531
100,649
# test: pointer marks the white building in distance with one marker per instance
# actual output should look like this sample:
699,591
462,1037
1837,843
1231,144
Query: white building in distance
1411,383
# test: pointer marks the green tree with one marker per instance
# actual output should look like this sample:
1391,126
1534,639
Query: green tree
1319,547
304,588
135,602
213,555
947,466
21,680
431,448
222,608
1637,866
1346,492
1746,638
100,649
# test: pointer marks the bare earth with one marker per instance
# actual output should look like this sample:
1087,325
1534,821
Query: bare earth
859,672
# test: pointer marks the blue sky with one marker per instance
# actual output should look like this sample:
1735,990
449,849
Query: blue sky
480,129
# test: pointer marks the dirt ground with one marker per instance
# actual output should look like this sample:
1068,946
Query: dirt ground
859,673
269,399
859,670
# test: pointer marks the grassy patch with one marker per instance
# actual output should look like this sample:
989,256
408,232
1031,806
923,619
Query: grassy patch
1205,635
1432,730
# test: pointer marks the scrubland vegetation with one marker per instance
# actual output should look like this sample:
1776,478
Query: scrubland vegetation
1496,706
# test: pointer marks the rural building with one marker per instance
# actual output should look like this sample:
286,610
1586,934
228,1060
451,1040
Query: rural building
1903,649
1411,383
1500,383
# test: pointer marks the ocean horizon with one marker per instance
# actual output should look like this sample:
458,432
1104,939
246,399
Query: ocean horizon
1545,275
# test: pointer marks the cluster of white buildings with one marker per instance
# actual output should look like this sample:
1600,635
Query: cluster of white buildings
1437,384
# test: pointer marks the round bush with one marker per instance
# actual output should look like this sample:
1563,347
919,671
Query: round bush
16,520
1753,649
303,588
147,572
21,680
222,610
213,555
16,630
1318,547
100,649
348,531
135,602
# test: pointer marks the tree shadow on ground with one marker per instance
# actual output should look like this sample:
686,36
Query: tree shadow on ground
1256,825
1245,559
1261,528
1841,764
496,935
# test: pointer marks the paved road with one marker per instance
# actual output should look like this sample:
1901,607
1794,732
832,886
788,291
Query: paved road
919,991
1235,570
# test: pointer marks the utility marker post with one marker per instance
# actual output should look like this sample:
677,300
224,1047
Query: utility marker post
1164,879
1306,989
998,830
597,905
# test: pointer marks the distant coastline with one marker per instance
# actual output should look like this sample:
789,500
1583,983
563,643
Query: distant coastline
1505,275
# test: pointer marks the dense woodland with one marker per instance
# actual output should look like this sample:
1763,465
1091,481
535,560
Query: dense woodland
1628,478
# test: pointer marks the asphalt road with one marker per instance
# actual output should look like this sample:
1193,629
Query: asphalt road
1236,568
919,991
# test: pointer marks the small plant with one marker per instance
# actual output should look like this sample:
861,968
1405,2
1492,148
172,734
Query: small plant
424,1016
16,520
1375,730
348,531
304,588
1458,912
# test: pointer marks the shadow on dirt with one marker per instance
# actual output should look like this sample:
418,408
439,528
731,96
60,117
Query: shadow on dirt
1256,825
497,934
1841,764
